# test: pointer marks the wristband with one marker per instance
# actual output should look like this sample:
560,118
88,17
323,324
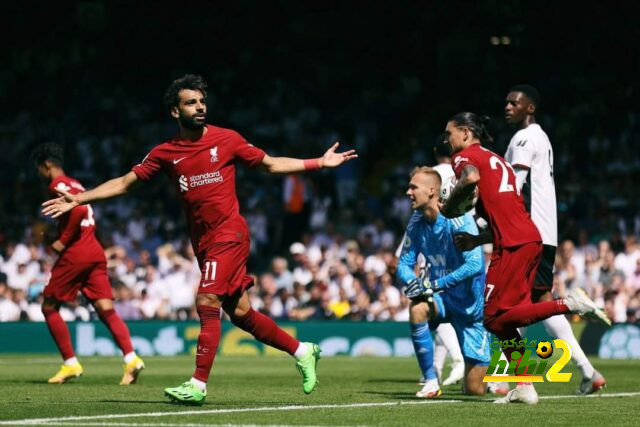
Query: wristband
311,164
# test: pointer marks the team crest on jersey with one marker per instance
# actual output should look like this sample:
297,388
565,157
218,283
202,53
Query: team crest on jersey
214,154
62,186
459,159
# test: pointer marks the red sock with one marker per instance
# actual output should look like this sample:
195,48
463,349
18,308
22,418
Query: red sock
526,314
118,329
266,331
59,332
208,341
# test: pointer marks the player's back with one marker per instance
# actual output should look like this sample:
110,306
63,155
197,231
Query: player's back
499,201
530,147
77,228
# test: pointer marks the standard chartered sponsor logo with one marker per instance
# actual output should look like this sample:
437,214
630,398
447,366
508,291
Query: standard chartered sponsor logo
198,180
205,178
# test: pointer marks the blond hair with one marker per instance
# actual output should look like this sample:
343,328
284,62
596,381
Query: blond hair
427,171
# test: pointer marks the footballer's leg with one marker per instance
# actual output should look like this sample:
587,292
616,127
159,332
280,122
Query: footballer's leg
265,330
194,391
133,364
70,368
473,376
559,327
476,350
419,313
447,335
97,289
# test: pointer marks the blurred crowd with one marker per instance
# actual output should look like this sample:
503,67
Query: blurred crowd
323,277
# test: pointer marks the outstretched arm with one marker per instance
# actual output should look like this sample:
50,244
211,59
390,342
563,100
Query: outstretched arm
67,201
330,159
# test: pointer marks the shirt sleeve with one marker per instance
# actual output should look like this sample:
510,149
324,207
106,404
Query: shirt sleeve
71,229
520,151
459,161
473,260
149,167
408,259
249,154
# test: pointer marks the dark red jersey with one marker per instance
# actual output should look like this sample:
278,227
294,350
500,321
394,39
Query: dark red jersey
76,228
499,201
203,173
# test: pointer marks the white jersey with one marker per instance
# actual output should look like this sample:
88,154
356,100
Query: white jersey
444,170
530,147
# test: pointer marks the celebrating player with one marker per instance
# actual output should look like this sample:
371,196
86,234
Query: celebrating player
449,289
81,266
517,245
201,161
531,156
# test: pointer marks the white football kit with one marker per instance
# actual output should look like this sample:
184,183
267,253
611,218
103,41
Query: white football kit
530,147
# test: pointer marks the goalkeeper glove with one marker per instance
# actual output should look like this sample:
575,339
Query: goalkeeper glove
418,288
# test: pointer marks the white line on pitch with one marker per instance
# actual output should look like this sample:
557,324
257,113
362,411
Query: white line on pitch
57,421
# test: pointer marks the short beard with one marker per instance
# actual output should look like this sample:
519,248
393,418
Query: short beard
190,123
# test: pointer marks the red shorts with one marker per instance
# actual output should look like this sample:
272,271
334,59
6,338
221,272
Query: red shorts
89,278
510,278
224,269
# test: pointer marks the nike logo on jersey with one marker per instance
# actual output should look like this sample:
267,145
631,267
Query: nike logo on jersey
176,161
204,285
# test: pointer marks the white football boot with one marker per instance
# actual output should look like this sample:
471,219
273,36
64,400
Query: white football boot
456,374
430,390
521,394
578,302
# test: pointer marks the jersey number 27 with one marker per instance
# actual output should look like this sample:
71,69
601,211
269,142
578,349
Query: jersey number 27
495,162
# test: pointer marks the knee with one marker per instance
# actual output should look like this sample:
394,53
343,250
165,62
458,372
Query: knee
103,305
476,389
49,306
209,300
239,312
419,312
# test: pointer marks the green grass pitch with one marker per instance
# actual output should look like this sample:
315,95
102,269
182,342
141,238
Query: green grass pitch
268,391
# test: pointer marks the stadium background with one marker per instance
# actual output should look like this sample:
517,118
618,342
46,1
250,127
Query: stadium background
292,78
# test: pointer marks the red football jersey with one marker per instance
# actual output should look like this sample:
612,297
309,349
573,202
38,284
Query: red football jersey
499,201
204,173
76,229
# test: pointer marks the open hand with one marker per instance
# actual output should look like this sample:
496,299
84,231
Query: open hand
60,205
331,159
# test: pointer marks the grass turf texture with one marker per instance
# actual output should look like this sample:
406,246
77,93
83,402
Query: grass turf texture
250,383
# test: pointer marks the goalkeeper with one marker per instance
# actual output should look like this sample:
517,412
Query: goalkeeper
450,289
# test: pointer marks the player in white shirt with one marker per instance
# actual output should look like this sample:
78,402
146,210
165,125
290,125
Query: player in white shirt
531,155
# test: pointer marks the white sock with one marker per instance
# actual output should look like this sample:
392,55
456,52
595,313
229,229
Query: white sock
200,384
558,327
129,357
450,341
439,354
302,350
522,330
71,361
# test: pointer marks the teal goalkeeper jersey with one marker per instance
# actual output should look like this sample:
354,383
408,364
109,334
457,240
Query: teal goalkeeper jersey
461,275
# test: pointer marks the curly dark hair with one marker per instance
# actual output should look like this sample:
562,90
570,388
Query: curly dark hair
48,151
188,81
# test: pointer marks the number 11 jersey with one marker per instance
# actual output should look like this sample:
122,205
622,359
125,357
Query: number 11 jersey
499,201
